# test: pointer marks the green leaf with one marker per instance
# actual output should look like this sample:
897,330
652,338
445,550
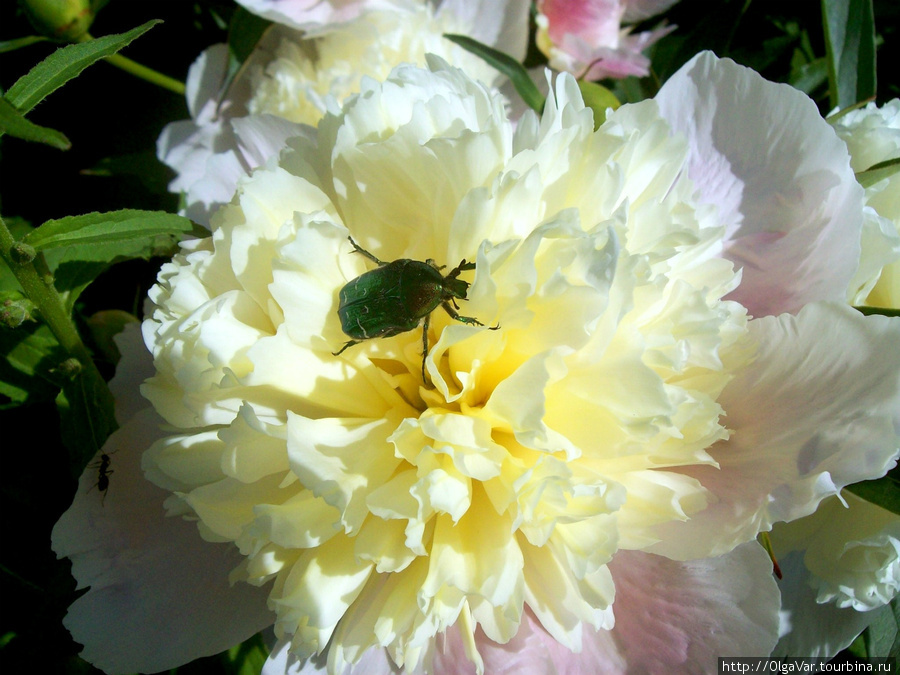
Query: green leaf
878,172
858,646
86,416
116,227
877,311
247,658
18,43
809,76
850,47
895,610
13,123
507,65
881,634
883,492
66,63
244,32
598,98
30,354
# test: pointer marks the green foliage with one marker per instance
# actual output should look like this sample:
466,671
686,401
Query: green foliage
110,235
244,32
246,658
86,413
885,491
881,311
878,172
598,98
849,27
881,638
65,64
515,71
27,369
18,43
13,123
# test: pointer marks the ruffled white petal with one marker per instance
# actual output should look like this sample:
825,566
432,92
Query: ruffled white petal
818,409
791,206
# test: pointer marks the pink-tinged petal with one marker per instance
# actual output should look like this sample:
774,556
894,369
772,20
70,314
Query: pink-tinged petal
213,157
628,58
807,627
586,38
595,22
532,651
214,149
503,24
674,617
159,595
282,662
818,409
638,10
305,14
669,617
780,176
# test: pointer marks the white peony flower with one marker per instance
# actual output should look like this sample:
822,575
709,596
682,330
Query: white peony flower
576,490
310,69
292,75
841,563
306,14
872,135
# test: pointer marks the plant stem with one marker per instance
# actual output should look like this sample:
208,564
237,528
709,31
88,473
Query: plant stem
85,381
146,73
45,297
141,71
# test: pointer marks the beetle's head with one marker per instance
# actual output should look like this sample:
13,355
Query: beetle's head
455,288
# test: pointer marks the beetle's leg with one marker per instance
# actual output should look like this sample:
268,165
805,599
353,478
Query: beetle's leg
425,345
346,344
455,315
470,320
360,249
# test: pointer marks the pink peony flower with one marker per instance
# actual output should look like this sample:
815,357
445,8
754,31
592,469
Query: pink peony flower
586,37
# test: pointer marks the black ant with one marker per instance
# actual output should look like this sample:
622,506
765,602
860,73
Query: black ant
103,474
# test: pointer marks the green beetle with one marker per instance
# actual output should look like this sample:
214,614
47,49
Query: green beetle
396,296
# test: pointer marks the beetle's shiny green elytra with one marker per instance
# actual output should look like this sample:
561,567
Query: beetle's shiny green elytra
394,297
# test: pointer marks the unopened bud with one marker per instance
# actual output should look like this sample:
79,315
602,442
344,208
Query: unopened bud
69,369
65,20
22,253
15,309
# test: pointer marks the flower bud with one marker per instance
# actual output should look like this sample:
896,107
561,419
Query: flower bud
21,253
15,309
64,20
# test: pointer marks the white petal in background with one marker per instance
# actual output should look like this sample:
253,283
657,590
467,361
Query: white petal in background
841,568
780,177
159,595
303,14
809,628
